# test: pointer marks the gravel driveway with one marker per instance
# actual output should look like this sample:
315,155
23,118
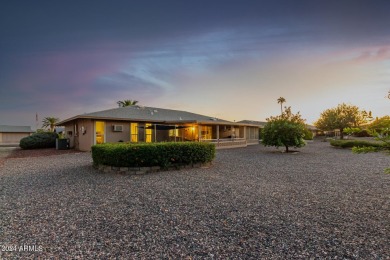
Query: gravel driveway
252,203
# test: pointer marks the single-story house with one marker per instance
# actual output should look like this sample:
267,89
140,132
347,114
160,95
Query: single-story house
315,131
150,124
10,134
259,124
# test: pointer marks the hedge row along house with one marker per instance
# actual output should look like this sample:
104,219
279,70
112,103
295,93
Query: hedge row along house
149,124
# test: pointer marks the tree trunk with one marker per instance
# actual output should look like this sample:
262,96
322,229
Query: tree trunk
286,149
341,133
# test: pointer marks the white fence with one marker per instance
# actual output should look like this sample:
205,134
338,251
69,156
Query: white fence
227,143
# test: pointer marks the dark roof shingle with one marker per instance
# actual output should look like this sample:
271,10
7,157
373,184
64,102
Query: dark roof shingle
153,114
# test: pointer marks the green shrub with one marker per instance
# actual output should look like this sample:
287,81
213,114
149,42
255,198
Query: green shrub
308,135
152,154
39,140
352,143
365,149
362,133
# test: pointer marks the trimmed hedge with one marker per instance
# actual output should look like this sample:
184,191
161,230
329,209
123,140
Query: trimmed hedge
152,154
354,143
39,140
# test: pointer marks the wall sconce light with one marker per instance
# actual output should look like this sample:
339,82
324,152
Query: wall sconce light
83,130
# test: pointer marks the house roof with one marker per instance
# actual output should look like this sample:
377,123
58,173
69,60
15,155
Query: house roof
15,129
252,122
150,114
311,127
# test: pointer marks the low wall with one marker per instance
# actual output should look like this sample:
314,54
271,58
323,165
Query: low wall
145,170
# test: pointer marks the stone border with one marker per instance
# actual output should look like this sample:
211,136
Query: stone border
145,170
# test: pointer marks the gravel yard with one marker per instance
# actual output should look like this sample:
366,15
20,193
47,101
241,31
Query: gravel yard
253,202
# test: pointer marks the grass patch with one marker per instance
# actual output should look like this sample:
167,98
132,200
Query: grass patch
355,143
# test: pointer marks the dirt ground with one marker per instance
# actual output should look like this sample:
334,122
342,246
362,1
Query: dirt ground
16,152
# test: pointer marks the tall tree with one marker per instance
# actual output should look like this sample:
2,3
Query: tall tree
281,100
341,117
50,122
285,130
127,102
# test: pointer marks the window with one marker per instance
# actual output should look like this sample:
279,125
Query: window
206,132
134,132
148,133
173,132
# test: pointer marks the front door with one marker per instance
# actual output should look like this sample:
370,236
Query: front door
100,132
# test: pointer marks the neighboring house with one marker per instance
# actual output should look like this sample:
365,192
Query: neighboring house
314,130
260,124
149,124
10,134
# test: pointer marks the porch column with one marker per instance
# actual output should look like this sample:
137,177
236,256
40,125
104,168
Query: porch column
175,133
232,132
155,133
245,132
217,133
199,132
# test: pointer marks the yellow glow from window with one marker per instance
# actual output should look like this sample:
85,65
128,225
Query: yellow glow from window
174,132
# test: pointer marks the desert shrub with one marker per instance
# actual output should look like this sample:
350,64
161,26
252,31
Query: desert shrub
39,140
352,143
365,149
152,154
357,132
362,133
308,135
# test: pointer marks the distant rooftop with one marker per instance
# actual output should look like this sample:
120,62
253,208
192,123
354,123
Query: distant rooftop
252,122
15,129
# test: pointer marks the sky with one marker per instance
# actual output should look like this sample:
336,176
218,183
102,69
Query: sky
225,59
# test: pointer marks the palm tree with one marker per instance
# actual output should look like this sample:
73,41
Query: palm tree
281,100
50,122
127,102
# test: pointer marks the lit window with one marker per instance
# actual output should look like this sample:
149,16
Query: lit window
148,133
134,132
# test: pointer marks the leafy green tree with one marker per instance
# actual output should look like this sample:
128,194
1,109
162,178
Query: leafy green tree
380,123
341,117
281,100
352,130
286,130
50,122
127,102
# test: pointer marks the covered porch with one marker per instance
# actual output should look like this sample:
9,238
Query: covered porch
222,135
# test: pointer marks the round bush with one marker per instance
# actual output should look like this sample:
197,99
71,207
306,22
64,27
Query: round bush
39,140
152,154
